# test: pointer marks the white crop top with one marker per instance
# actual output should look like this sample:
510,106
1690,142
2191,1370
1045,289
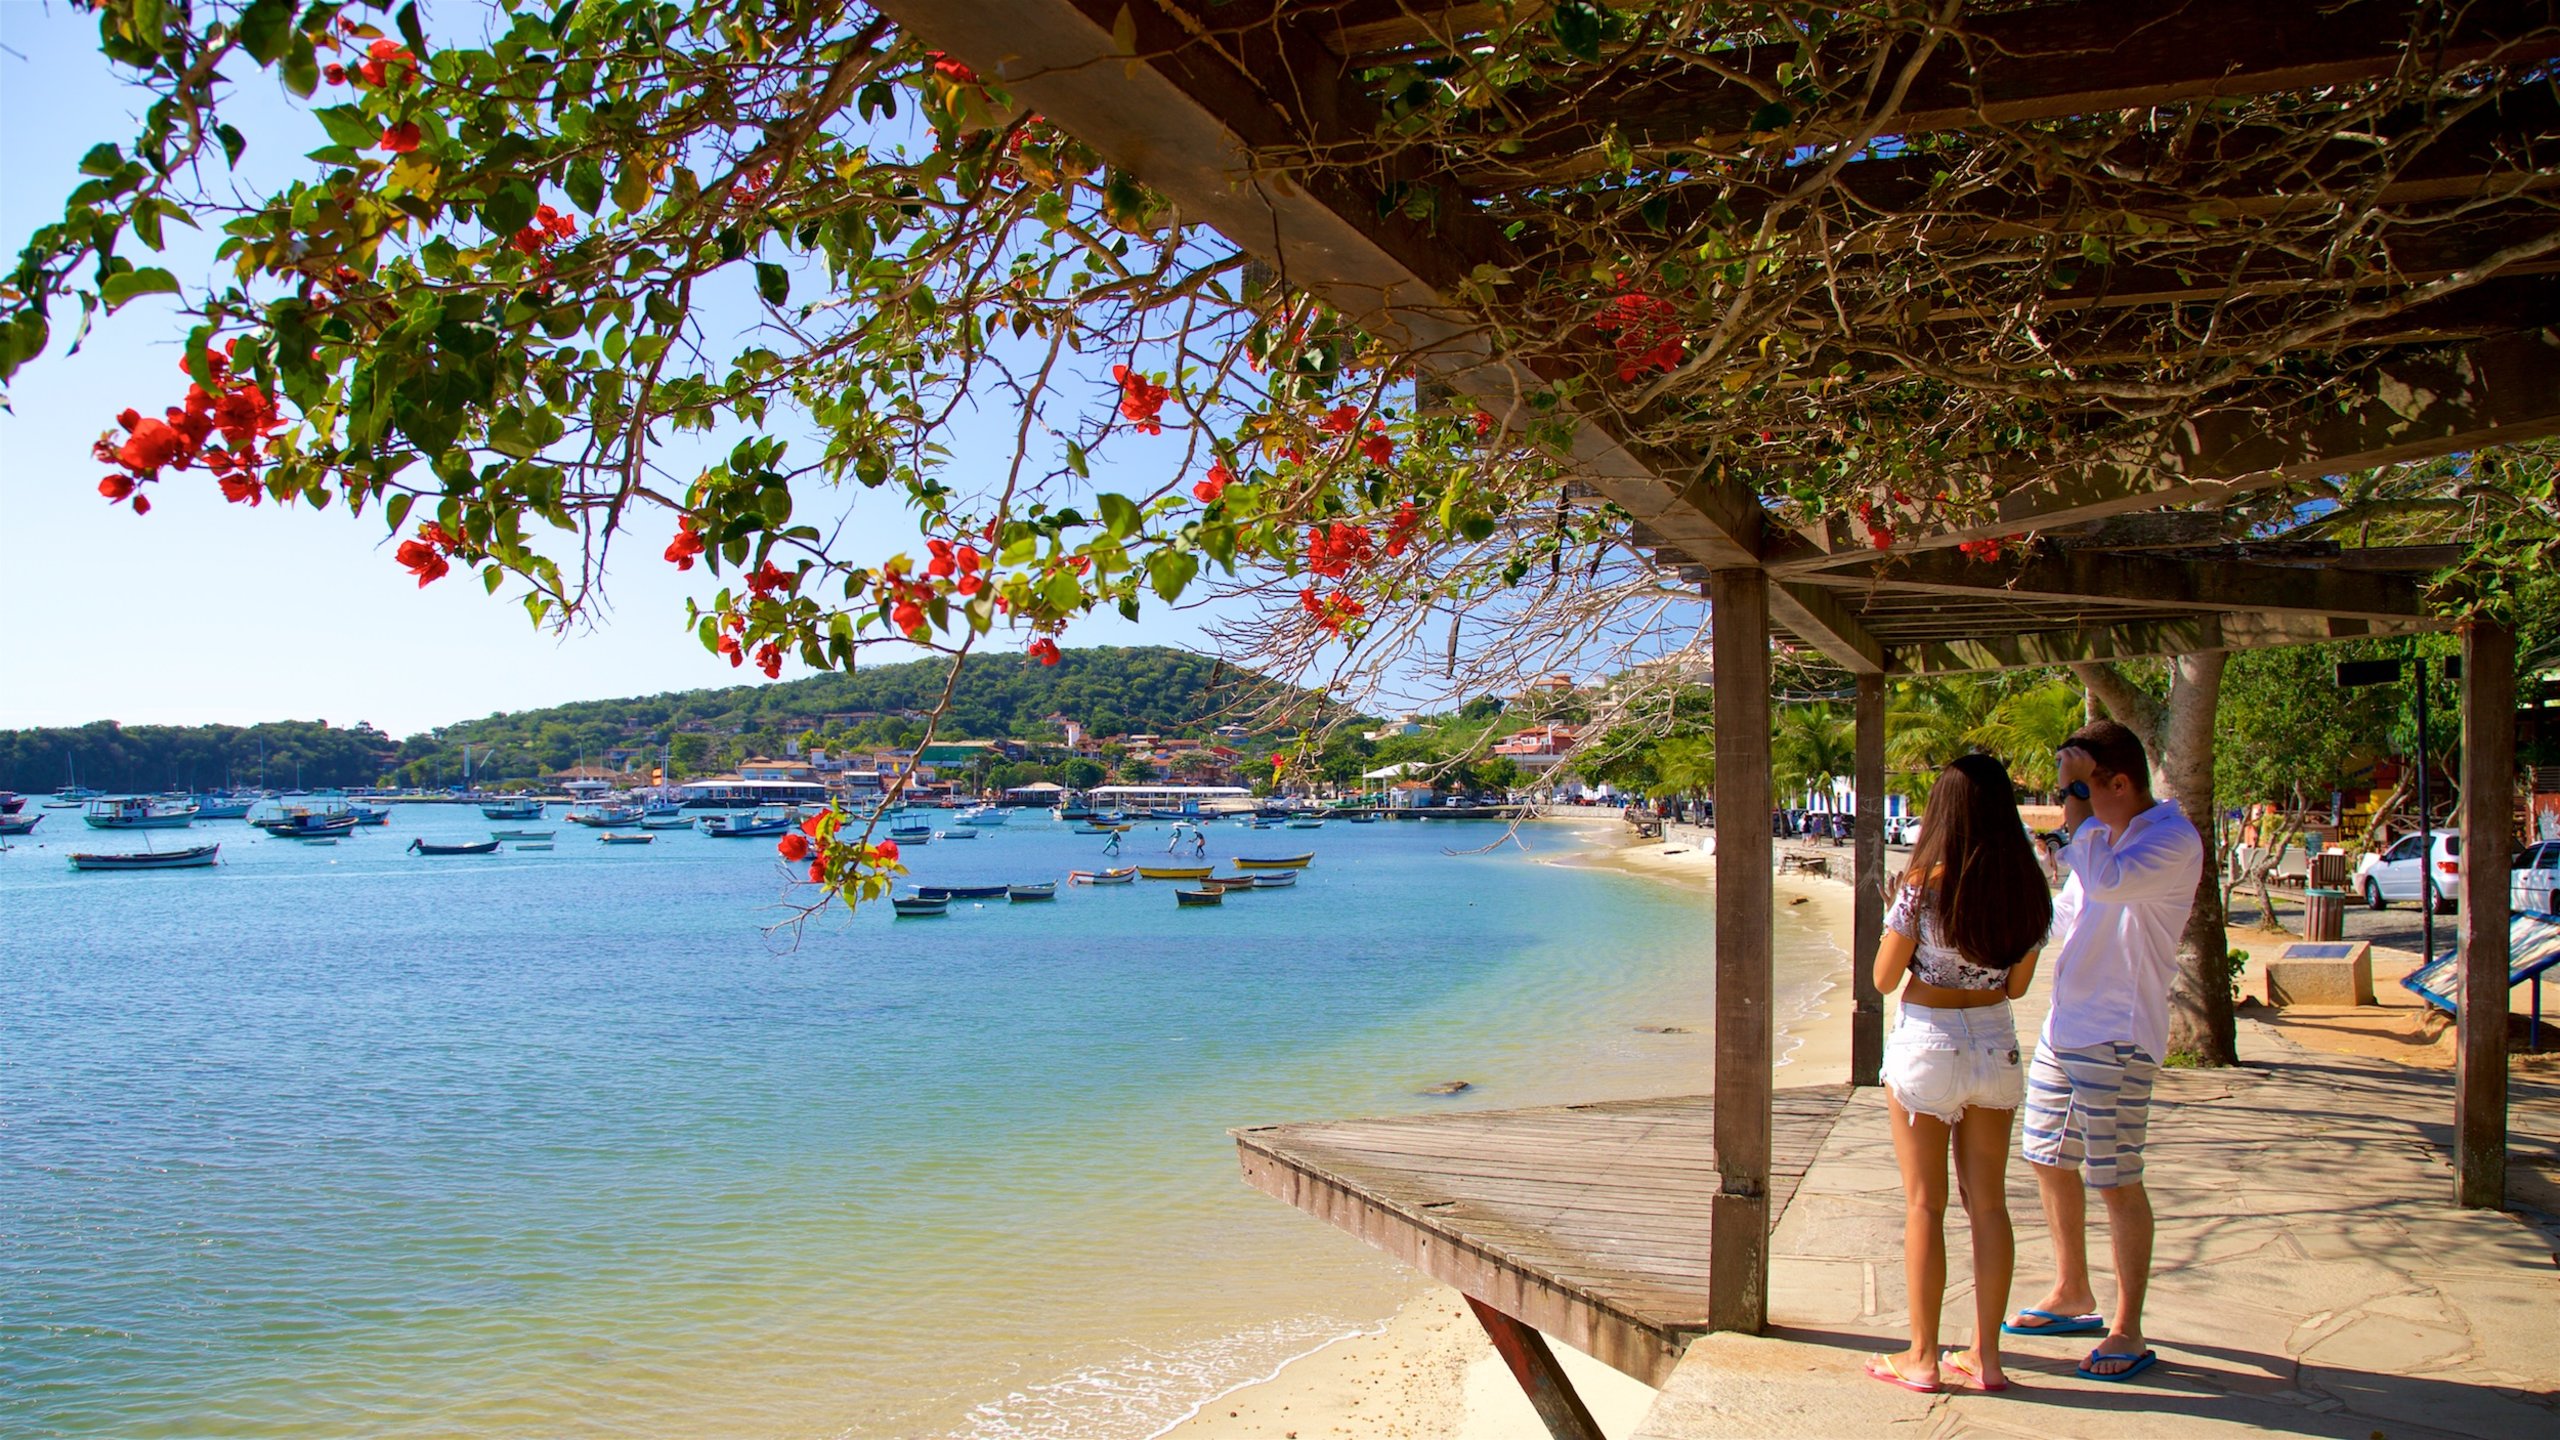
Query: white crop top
1933,961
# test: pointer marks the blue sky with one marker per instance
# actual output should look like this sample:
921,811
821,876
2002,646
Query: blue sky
204,611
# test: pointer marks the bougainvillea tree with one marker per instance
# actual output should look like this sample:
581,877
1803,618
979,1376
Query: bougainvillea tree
500,307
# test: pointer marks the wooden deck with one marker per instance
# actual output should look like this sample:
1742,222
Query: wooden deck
1588,1222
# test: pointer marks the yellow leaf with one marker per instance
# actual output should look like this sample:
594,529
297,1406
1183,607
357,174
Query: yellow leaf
1124,32
414,175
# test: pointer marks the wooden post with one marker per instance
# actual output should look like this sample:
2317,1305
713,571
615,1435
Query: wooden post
1866,1015
1534,1366
2488,803
1738,1277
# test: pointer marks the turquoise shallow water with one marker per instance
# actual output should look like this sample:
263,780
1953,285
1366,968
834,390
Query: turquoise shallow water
341,1141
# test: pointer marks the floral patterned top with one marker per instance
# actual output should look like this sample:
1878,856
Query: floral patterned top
1933,961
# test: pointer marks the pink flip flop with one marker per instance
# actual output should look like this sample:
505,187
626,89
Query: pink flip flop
1955,1360
1892,1374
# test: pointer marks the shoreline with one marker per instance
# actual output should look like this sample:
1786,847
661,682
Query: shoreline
1428,1372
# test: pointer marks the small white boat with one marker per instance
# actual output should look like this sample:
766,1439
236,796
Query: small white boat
1275,880
148,860
522,834
672,821
957,832
610,838
139,814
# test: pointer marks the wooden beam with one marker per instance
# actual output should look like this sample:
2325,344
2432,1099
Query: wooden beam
1816,617
2136,640
2488,837
1866,928
1550,1393
2151,580
1738,1273
2411,407
2037,63
1208,116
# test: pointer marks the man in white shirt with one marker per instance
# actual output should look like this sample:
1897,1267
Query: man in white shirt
2134,861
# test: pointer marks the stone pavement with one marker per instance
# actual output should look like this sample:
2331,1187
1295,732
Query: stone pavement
2312,1278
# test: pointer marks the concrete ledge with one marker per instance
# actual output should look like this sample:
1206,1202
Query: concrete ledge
2321,972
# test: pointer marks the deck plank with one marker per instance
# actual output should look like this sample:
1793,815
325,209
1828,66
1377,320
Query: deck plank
1591,1222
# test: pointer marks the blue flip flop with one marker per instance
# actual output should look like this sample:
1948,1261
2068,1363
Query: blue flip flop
2056,1324
2141,1362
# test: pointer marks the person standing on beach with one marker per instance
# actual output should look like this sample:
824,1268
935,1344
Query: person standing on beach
1968,917
2134,861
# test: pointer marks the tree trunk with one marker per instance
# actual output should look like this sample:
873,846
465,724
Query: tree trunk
2179,737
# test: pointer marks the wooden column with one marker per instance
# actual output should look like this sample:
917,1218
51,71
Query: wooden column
1738,1280
1866,1014
2488,803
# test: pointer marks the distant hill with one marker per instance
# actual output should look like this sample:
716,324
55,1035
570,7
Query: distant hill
1109,690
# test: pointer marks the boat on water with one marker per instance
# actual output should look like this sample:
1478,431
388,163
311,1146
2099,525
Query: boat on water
512,810
673,820
1275,880
19,824
11,802
1099,829
299,823
1188,898
1175,872
958,832
911,907
980,815
1274,862
370,814
1020,894
743,827
963,892
1072,813
483,847
900,831
611,838
224,807
1231,882
1361,819
139,813
534,845
1306,823
187,859
522,834
1124,875
604,817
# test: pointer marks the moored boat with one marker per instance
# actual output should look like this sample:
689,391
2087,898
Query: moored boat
612,838
605,817
370,814
522,834
1046,890
1126,874
1275,880
188,859
674,820
1275,862
533,845
1306,823
957,832
1361,819
1231,882
916,906
512,810
1199,897
139,813
299,823
963,892
1175,872
483,847
223,807
19,824
741,827
11,802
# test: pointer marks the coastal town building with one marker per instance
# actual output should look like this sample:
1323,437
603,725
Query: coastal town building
1537,748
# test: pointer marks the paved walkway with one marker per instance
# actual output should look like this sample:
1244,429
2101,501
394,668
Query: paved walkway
2312,1278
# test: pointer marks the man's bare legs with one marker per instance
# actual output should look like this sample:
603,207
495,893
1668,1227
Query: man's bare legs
2129,1231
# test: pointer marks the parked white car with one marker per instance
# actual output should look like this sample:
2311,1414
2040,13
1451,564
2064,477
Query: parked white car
2398,872
2534,887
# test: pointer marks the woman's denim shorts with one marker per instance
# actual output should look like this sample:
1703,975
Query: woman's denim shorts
1941,1063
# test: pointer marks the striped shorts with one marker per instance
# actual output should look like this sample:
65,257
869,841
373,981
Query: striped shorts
2087,1108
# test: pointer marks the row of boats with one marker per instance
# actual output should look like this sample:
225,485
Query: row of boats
1199,885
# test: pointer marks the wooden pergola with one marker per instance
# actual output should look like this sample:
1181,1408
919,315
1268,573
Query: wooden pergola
2454,345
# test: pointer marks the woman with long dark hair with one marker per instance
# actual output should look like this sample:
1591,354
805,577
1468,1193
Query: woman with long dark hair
1966,921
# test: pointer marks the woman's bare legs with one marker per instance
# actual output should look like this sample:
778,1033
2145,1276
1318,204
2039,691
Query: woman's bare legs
1920,1149
1982,1179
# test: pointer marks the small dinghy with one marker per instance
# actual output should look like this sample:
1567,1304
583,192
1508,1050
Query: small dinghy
1276,880
1273,862
665,822
1023,894
1182,898
1232,882
1126,874
963,892
1176,872
611,838
148,860
917,906
522,834
421,847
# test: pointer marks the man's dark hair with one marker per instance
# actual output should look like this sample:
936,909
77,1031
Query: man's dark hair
2116,750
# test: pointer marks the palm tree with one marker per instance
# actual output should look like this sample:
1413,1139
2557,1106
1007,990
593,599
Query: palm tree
2027,726
1931,722
1816,747
1684,765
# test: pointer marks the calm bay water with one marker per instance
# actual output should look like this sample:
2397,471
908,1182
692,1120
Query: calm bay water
343,1141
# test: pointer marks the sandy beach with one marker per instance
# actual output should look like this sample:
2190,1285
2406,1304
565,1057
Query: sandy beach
1430,1373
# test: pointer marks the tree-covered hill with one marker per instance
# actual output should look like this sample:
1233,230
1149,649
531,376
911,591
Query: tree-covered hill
1110,690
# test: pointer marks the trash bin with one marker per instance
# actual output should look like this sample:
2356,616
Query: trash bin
2329,871
2324,915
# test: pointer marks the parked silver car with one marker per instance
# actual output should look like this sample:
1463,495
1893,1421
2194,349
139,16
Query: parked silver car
2397,872
2534,886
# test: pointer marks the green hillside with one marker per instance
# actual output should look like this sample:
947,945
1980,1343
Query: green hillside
1110,690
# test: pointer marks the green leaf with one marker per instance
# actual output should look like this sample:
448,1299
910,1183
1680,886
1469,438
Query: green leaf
396,511
585,184
234,144
1076,460
266,29
410,31
1118,515
1772,117
773,283
631,188
348,125
510,209
1577,29
1170,571
102,160
130,283
1062,592
301,66
775,502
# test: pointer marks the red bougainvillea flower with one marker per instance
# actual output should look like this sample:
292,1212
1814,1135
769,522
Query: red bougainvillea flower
335,74
944,563
768,578
388,61
794,846
239,488
1400,530
154,443
686,545
1220,477
1379,449
115,487
969,586
1879,534
1140,400
908,616
402,138
950,69
886,852
1341,420
1045,650
1648,334
1333,549
1484,423
1989,548
769,660
141,504
736,652
1278,760
422,561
